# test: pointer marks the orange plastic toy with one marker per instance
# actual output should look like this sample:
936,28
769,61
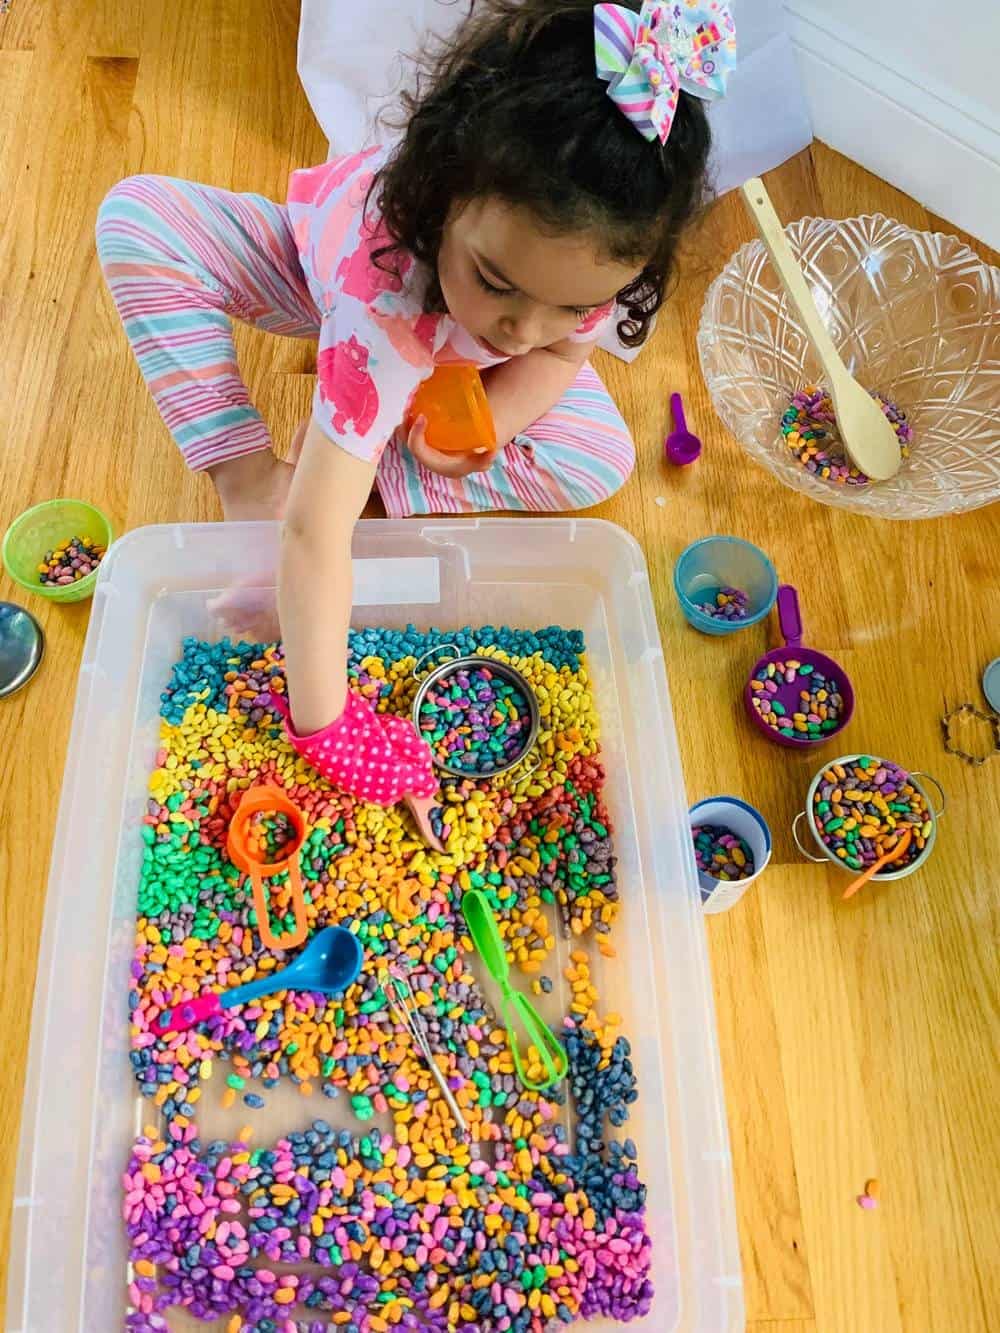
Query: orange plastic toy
273,800
458,413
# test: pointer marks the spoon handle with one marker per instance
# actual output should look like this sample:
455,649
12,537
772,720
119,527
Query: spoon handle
253,990
187,1014
772,233
485,934
897,850
863,879
291,939
677,408
789,616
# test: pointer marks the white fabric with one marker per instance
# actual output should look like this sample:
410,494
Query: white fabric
352,67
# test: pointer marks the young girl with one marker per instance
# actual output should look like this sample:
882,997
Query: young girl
548,166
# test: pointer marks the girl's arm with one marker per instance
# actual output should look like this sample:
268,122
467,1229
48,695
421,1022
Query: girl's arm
526,387
315,595
315,591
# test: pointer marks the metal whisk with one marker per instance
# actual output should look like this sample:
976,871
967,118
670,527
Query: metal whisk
403,1004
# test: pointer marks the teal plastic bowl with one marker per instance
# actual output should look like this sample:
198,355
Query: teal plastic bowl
724,562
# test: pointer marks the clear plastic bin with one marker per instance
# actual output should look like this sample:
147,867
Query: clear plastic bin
82,1108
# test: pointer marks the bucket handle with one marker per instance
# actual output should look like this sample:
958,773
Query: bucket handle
438,648
819,860
918,773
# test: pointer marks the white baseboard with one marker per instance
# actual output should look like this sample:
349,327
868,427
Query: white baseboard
937,145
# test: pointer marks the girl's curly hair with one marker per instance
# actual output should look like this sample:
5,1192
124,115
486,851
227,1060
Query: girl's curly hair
512,107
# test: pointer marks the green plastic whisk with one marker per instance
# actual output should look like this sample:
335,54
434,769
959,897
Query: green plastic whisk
517,1009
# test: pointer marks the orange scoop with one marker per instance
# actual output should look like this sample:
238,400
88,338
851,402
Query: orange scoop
458,414
266,797
894,853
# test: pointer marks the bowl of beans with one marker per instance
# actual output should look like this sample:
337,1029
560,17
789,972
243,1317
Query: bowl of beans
55,548
857,805
732,846
913,314
724,584
479,716
796,695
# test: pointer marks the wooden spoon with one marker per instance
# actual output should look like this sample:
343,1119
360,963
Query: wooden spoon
866,432
893,854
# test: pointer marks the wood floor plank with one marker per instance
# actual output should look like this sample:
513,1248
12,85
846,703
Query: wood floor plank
782,1326
19,24
850,1263
775,1255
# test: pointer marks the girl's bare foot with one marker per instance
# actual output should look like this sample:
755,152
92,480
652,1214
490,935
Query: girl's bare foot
256,486
253,487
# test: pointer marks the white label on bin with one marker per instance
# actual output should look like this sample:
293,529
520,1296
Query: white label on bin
395,582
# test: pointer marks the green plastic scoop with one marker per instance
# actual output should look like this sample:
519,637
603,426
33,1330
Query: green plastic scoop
517,1009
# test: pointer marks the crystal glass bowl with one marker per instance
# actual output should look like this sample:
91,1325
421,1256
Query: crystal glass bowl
915,314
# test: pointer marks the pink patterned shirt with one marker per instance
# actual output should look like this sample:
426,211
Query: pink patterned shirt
376,344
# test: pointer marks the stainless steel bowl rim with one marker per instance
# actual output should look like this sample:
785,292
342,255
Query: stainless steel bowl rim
512,676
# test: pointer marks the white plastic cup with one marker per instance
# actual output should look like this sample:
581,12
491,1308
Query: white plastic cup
729,812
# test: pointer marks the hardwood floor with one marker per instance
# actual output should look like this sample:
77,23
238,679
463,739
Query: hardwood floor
855,1041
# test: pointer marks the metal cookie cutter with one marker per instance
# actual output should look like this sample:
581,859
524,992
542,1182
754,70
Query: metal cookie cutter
949,725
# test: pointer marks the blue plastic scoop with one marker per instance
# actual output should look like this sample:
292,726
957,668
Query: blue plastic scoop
329,963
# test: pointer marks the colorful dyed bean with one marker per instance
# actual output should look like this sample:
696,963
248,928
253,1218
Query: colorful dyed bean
810,430
726,604
858,809
720,853
70,561
797,700
518,1227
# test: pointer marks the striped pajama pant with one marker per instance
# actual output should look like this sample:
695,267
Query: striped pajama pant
182,260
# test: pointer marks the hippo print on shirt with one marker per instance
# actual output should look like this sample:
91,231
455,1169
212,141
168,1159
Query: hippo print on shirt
344,383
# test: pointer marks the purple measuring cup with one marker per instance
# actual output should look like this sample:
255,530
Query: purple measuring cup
787,694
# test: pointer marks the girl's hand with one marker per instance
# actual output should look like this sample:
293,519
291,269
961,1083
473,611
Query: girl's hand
446,465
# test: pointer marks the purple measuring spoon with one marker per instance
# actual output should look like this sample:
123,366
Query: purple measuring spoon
681,445
790,622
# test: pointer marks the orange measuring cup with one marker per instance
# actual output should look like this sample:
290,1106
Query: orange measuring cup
458,414
256,800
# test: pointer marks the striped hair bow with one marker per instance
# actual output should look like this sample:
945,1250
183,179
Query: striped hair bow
648,58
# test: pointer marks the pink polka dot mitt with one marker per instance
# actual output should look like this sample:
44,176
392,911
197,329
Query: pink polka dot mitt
376,757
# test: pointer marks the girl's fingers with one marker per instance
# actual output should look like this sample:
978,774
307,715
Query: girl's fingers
451,465
481,460
415,438
446,465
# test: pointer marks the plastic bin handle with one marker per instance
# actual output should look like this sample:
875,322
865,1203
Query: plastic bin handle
789,616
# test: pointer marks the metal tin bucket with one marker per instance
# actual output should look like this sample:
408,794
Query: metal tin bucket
508,673
828,855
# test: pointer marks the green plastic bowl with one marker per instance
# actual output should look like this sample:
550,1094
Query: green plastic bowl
38,531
